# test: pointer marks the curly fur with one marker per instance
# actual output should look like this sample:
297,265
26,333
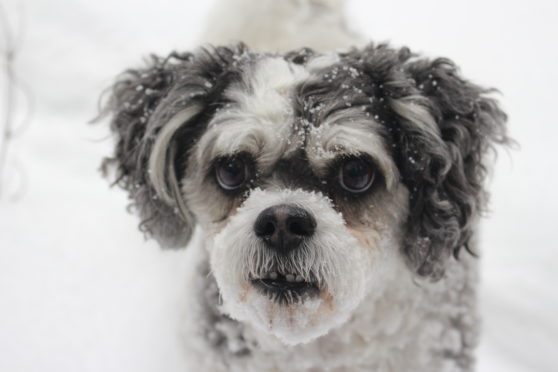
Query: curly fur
425,127
443,166
142,101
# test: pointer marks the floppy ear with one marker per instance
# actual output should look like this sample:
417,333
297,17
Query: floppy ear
440,127
157,113
447,125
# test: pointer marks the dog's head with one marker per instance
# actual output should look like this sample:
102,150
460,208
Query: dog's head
316,178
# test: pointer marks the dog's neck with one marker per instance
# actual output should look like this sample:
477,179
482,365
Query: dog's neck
412,326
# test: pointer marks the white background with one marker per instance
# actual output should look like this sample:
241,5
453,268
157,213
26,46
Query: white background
81,291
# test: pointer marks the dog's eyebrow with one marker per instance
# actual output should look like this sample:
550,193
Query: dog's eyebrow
235,132
259,119
340,136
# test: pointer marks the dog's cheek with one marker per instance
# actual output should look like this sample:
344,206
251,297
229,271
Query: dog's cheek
367,239
217,227
227,245
380,231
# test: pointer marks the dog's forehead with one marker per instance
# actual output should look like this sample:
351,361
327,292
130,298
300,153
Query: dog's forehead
279,108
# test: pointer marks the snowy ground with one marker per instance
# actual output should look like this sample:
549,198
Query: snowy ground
81,291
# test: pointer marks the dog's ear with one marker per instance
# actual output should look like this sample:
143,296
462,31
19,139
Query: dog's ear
441,127
157,113
446,126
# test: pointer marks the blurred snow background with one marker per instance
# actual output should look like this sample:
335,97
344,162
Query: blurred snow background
80,290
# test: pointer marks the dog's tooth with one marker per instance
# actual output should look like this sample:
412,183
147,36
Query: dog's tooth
290,277
273,275
298,279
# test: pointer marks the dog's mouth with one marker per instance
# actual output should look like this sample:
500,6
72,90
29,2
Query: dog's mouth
285,288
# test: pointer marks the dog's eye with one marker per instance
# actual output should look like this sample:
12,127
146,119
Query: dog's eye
231,173
356,175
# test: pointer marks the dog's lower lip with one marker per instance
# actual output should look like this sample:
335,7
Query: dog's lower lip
280,286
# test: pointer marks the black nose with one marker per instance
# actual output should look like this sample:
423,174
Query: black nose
283,227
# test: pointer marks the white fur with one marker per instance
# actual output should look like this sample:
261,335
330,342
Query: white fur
261,122
341,264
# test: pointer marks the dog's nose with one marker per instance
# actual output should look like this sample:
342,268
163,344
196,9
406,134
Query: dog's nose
283,227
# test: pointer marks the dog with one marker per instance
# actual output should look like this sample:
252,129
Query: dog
333,197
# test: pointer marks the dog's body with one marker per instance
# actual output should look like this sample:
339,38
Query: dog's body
334,192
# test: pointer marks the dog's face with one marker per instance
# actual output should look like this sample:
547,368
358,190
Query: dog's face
299,197
316,179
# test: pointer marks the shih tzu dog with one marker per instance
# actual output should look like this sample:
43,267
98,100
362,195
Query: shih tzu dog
335,194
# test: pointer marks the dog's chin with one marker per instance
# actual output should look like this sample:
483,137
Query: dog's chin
294,312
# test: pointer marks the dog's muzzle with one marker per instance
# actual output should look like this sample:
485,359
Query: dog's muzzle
283,228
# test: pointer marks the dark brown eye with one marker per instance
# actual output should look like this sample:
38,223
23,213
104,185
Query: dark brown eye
356,175
231,173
